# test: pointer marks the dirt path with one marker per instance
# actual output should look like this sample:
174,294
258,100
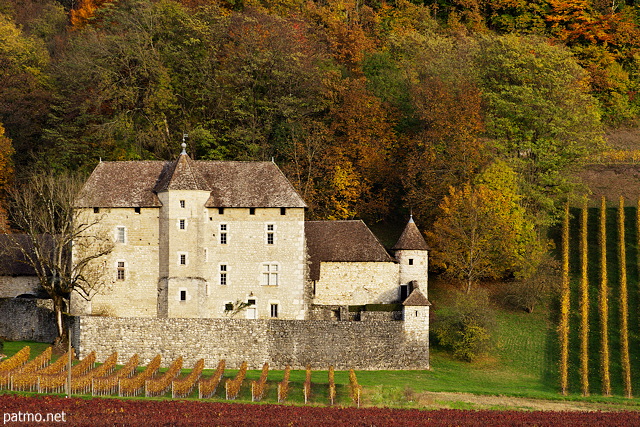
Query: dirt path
444,400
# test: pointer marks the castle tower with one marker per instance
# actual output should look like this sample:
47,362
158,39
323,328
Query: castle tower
416,325
412,253
183,192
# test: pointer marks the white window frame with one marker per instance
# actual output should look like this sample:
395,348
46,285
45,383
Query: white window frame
224,234
252,309
122,268
269,274
186,258
270,230
223,274
273,305
120,234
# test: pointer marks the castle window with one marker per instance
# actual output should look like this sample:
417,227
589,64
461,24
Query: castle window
120,272
120,234
228,306
252,211
283,211
182,258
183,295
223,274
182,204
270,274
274,310
223,234
136,210
410,261
206,254
182,224
270,234
220,211
96,210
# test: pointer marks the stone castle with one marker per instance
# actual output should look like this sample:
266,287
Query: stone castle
207,244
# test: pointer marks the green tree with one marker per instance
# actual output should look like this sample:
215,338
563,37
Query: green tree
539,114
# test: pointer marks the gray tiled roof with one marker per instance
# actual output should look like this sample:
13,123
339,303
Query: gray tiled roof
346,241
416,299
411,238
232,184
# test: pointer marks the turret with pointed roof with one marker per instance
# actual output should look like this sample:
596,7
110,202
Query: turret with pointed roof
411,238
412,253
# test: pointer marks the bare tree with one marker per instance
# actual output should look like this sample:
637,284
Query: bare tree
61,245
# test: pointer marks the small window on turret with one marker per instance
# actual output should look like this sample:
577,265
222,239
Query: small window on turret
96,210
136,210
410,261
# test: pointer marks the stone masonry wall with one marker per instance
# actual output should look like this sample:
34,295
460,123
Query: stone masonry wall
358,345
27,320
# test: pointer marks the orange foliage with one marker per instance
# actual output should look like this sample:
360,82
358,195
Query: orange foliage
84,13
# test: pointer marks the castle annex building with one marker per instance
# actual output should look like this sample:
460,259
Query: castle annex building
228,240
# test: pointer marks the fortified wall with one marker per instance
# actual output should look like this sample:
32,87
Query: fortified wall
27,320
368,345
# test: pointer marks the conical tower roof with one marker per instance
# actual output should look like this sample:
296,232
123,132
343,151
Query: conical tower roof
182,174
411,238
416,299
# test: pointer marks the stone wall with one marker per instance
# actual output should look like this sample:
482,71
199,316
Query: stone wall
12,286
358,345
27,320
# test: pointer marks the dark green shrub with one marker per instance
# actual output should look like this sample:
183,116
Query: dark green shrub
466,327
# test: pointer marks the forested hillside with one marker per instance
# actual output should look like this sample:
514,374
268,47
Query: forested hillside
371,109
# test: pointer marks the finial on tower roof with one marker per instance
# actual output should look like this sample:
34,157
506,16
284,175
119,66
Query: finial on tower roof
184,144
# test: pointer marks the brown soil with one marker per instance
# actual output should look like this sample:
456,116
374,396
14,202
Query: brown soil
472,401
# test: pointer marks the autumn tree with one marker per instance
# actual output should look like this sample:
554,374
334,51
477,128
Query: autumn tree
432,85
565,306
42,209
24,86
624,301
483,232
6,176
603,301
584,303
